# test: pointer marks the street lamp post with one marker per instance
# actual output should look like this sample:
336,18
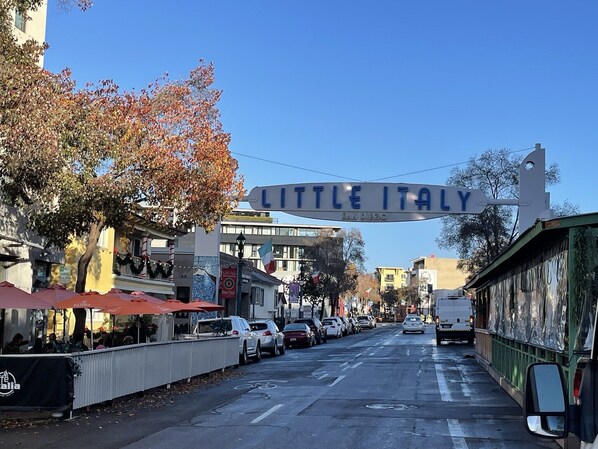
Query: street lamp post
301,284
241,245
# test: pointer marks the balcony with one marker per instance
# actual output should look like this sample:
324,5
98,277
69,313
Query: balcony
133,266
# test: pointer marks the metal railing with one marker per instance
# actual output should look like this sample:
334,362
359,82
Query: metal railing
511,359
106,374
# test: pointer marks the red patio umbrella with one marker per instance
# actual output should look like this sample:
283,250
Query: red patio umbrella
53,294
12,297
206,305
138,307
90,300
178,306
117,294
142,295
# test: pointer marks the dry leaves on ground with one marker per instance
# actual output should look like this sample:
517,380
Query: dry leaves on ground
127,406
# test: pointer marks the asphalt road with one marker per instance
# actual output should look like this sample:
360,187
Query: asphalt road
377,389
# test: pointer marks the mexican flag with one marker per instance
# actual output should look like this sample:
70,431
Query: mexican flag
265,252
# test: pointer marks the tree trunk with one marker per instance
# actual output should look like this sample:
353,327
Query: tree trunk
94,234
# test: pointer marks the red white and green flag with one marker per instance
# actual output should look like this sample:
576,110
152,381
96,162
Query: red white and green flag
265,252
315,277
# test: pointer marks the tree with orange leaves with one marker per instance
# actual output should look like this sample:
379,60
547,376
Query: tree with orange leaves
79,160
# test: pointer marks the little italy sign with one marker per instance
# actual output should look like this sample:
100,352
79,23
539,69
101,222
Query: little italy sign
388,202
367,201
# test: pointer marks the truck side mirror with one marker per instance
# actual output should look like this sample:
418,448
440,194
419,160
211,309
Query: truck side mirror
546,401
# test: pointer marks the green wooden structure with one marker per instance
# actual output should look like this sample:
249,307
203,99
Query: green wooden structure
535,302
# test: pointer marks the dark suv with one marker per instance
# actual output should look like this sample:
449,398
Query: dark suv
316,326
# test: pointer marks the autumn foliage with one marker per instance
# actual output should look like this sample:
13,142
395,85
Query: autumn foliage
77,160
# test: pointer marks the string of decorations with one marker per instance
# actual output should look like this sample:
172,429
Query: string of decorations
137,264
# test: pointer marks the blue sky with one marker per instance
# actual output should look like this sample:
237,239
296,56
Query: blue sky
365,90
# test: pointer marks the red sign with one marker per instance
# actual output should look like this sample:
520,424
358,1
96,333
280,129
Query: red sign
228,283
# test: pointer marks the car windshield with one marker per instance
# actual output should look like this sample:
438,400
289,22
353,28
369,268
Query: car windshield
258,326
204,327
412,319
295,327
328,322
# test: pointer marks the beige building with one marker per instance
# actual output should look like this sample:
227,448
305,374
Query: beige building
433,273
31,25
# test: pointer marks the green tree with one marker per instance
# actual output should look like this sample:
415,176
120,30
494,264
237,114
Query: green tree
390,299
337,258
478,239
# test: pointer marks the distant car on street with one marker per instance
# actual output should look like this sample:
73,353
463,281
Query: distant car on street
333,328
355,324
271,338
298,334
366,321
316,326
249,342
413,323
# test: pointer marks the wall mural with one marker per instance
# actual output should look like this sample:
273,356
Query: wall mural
205,276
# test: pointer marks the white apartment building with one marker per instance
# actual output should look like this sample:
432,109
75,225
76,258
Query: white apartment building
288,240
288,244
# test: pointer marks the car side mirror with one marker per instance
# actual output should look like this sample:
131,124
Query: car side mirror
546,402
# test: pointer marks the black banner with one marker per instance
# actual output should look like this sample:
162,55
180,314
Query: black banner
36,383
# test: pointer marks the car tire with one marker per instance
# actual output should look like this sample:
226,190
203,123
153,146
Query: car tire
282,349
404,332
276,350
243,359
258,353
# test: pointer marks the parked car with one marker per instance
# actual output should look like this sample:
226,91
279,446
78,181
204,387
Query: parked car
355,324
413,323
316,326
271,338
333,328
340,324
249,342
366,321
348,325
298,334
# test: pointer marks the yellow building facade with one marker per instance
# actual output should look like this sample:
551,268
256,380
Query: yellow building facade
391,278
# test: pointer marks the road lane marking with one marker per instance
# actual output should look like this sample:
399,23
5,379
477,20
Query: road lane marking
266,414
456,434
445,393
337,380
322,376
467,380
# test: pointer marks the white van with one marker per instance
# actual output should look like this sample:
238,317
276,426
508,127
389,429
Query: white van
454,319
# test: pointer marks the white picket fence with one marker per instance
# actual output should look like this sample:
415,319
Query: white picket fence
107,374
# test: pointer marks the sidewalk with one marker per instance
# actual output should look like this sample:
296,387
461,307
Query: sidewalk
109,425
